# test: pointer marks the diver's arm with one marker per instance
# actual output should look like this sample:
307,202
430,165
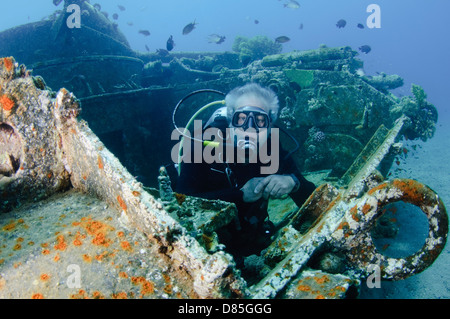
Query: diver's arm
303,188
275,186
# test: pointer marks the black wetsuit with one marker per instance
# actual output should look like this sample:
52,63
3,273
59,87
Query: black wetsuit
211,181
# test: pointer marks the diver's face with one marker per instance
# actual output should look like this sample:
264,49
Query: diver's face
251,125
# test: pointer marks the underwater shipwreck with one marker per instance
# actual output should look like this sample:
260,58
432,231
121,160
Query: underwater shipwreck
86,201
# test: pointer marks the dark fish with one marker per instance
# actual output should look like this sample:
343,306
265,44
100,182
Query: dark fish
147,48
295,86
215,38
57,2
365,48
360,25
98,7
256,21
144,32
282,39
121,8
115,16
341,23
188,28
170,44
301,26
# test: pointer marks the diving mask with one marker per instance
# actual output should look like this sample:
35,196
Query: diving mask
250,116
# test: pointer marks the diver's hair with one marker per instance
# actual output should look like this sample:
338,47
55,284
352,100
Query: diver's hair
267,97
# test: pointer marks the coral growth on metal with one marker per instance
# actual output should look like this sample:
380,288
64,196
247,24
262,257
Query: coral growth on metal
353,232
45,149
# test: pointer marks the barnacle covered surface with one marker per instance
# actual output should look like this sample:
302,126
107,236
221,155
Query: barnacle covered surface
74,246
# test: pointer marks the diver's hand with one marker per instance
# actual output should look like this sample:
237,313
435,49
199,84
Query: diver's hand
275,186
248,189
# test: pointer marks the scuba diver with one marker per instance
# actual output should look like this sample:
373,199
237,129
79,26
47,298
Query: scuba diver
247,121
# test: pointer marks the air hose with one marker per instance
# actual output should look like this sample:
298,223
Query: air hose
201,110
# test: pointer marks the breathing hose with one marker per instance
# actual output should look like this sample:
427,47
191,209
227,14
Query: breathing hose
191,120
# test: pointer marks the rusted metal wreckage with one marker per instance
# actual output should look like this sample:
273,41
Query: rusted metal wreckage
45,150
320,250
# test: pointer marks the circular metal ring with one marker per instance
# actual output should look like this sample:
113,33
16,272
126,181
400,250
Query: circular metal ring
354,230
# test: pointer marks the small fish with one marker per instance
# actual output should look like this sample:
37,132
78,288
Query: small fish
301,26
215,38
130,23
282,39
341,23
170,44
147,48
360,72
121,8
365,49
144,32
57,2
292,4
115,16
360,25
188,28
98,7
256,21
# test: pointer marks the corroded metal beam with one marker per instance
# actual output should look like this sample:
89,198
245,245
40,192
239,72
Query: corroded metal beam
370,157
